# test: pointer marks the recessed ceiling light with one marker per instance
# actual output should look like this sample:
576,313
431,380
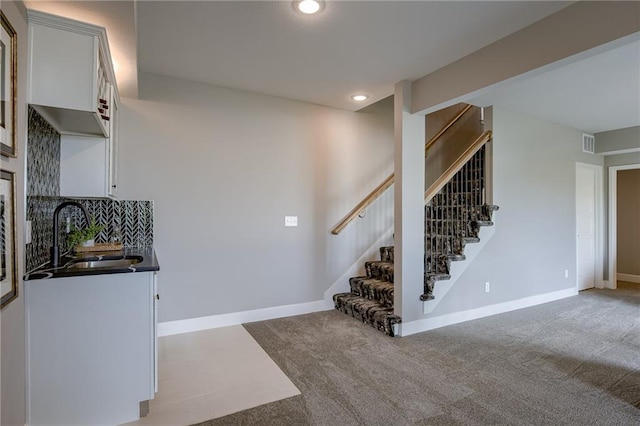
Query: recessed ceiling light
359,98
308,7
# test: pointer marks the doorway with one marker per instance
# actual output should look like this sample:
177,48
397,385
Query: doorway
613,222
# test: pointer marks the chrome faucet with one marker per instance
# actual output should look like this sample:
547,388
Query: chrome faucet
55,249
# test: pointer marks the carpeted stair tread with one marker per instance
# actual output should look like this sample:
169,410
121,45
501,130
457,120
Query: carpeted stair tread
367,311
379,269
373,289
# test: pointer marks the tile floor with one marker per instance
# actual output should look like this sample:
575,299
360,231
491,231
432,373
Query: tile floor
212,373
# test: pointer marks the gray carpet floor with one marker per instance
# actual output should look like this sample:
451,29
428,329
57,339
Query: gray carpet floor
571,362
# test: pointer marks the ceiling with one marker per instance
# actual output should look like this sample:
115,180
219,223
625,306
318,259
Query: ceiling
351,47
596,94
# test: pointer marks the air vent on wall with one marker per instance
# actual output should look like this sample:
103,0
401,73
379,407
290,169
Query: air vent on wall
588,143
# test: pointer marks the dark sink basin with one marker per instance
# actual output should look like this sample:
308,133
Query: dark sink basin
105,263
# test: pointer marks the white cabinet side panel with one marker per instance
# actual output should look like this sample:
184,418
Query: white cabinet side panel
61,68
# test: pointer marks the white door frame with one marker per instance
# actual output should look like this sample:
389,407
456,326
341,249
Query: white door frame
599,225
613,222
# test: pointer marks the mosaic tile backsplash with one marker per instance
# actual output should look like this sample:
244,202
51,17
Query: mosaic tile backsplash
134,219
43,157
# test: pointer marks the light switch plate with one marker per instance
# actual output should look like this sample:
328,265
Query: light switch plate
291,221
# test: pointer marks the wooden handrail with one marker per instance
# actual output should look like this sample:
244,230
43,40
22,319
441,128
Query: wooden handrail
363,204
456,166
389,181
453,121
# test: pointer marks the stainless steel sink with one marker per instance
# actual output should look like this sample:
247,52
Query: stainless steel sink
106,263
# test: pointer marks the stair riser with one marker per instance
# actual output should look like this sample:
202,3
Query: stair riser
386,254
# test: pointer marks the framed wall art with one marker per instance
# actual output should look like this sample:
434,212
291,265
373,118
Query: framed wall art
8,273
8,75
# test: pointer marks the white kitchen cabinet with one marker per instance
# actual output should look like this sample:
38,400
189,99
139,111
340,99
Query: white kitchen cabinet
72,85
70,74
88,165
91,348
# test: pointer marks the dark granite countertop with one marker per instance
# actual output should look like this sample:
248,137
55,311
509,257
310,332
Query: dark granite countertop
147,262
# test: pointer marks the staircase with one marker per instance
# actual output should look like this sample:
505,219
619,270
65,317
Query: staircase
453,218
371,296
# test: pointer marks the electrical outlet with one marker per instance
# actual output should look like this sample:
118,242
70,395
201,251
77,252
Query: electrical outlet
291,221
487,287
566,273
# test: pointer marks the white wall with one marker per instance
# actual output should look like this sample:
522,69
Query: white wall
534,241
12,336
224,167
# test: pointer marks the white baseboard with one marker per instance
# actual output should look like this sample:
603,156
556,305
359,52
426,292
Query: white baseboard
418,326
224,320
628,278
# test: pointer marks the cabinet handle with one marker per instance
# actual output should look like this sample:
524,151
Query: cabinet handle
105,118
103,101
157,297
113,186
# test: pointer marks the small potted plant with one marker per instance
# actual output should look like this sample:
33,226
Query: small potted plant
84,236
